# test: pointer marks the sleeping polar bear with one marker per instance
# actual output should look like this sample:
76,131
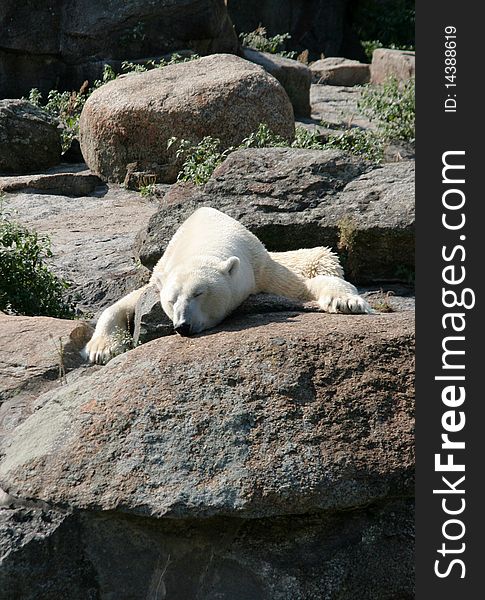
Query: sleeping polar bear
211,265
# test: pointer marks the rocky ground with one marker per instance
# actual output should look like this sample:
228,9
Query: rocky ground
92,238
269,458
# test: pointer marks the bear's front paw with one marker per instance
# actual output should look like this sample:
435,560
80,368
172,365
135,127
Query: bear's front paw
102,348
345,303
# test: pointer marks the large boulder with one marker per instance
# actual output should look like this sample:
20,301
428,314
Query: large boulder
63,180
340,71
132,118
293,75
139,436
29,139
386,63
61,44
251,454
292,198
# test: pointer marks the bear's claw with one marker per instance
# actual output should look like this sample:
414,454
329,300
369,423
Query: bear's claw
101,348
351,303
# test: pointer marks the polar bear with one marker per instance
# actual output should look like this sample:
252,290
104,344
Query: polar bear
211,265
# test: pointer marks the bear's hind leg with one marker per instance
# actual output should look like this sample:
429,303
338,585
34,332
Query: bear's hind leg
333,294
310,262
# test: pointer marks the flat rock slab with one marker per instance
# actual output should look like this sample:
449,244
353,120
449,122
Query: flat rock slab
64,180
91,239
338,106
268,415
292,199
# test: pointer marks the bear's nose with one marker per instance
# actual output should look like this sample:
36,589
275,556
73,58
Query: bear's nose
183,329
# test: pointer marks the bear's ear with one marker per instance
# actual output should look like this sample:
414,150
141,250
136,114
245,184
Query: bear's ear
157,279
230,265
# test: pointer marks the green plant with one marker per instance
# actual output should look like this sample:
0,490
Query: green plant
175,58
306,139
27,286
392,105
259,40
61,365
66,107
146,191
108,75
263,137
382,304
361,142
123,340
35,97
199,160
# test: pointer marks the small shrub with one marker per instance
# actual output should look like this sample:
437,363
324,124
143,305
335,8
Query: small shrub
175,58
108,75
259,40
263,137
306,139
178,58
129,67
66,107
123,341
199,160
27,286
392,105
360,142
147,191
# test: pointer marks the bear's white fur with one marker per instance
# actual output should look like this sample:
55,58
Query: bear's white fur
211,265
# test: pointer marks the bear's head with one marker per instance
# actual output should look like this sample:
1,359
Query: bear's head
199,294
